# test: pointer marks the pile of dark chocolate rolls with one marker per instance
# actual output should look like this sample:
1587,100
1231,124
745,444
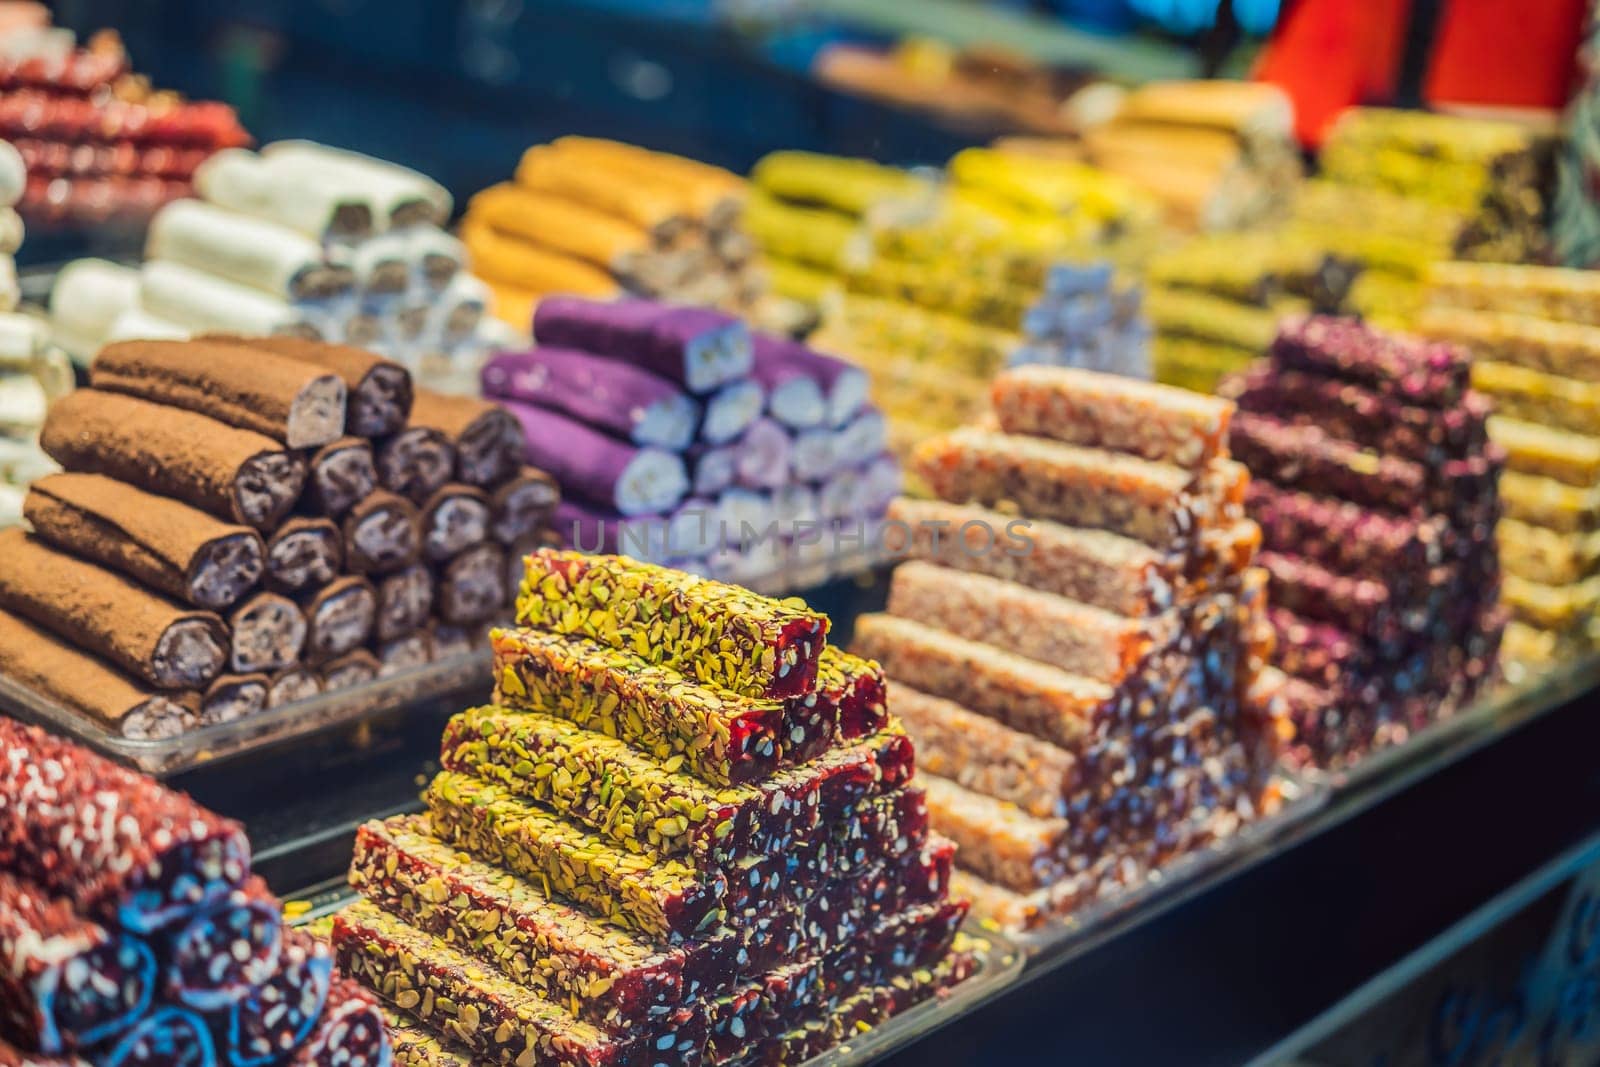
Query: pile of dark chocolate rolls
246,522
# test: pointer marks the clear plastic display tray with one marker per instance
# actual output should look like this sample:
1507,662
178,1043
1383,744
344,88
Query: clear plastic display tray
208,744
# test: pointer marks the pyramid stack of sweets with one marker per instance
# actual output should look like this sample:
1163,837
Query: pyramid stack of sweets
590,217
300,240
679,435
1083,676
1534,337
133,932
100,145
1375,485
687,831
247,522
1496,176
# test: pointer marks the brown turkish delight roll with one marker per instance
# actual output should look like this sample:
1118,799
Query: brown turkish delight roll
349,670
378,391
1155,422
304,553
341,474
268,633
472,586
167,545
404,653
381,534
233,696
405,600
523,504
454,519
416,462
292,684
281,398
45,664
452,641
234,474
1065,483
486,438
152,638
339,618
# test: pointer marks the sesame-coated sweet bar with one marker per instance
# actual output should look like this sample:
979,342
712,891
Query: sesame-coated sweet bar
222,954
1547,556
1023,694
721,634
998,840
484,1010
167,1037
281,1012
350,1032
1307,459
1548,452
607,976
1147,501
1155,422
1416,371
1547,502
65,982
1344,536
661,897
986,756
1094,567
1075,637
724,739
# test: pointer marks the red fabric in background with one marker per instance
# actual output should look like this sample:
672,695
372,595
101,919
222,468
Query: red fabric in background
1330,54
1508,53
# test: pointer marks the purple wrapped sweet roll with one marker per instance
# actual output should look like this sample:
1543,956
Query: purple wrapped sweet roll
746,514
731,410
844,385
1407,368
815,454
625,401
865,435
794,397
592,530
794,504
65,982
274,1020
221,955
881,481
167,1037
762,458
694,530
602,470
697,348
842,496
711,469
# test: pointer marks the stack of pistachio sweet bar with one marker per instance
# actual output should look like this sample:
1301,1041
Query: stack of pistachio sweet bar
685,832
1083,672
1534,337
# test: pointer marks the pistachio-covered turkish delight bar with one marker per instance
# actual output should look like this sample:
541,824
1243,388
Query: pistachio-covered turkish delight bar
1307,459
1535,396
1409,369
1565,295
721,634
1155,422
1569,349
495,1017
1547,556
1549,503
1548,452
854,689
1149,502
663,897
723,738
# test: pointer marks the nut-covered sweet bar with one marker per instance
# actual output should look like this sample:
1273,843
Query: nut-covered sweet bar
234,474
1547,452
119,846
998,840
1547,502
1093,567
483,1009
377,390
282,398
1535,396
417,1047
1154,422
1416,371
1146,501
1317,651
1074,637
349,1034
1307,459
665,898
1569,349
171,547
280,1013
340,474
1547,556
723,739
1550,607
1345,536
219,957
154,639
65,982
1361,605
722,634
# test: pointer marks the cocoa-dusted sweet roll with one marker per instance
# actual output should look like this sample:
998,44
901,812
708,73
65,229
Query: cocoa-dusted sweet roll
35,658
234,696
404,653
416,462
381,534
405,600
378,391
454,518
472,586
450,641
285,399
304,553
349,670
151,637
487,438
231,473
523,504
338,619
167,545
268,633
341,474
292,684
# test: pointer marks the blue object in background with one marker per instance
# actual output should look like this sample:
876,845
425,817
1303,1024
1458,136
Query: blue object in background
1192,16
